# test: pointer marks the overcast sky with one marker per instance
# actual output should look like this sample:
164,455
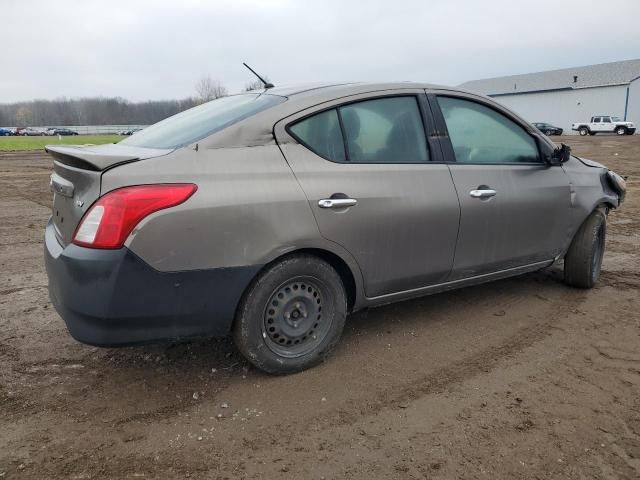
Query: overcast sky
158,49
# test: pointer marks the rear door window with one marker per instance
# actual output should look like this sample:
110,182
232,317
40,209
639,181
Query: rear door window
385,130
382,130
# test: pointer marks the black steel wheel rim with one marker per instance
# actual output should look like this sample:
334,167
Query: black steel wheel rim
297,317
596,260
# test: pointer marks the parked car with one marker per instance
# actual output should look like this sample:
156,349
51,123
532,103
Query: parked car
548,129
31,132
604,124
5,132
60,131
273,215
129,132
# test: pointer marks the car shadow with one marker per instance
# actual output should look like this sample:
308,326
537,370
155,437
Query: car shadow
220,355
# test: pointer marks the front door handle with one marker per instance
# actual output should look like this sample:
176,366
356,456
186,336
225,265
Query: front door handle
337,202
486,193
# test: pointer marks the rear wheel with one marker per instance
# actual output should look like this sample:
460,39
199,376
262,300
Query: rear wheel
583,260
621,130
292,316
583,131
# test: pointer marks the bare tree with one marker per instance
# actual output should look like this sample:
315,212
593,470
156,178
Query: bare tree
255,84
23,115
210,89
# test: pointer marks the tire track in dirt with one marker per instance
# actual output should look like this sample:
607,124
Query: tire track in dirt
397,397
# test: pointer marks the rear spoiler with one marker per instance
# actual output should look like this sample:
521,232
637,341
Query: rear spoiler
100,157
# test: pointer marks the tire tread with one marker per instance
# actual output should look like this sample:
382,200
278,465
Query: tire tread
250,308
578,259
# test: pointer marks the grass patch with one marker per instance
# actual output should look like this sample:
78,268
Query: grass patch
15,144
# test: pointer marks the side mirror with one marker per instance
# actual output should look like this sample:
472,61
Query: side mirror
557,156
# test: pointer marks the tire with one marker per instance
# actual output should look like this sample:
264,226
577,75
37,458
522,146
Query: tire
583,131
621,131
292,315
583,260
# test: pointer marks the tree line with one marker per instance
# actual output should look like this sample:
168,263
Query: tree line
90,111
107,111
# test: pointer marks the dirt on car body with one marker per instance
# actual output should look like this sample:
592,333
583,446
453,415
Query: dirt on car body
522,378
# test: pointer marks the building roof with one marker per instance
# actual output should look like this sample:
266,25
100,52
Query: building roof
603,74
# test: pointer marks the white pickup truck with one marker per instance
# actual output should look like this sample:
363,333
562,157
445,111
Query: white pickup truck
604,123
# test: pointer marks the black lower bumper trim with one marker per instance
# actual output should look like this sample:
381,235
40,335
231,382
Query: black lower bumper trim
113,298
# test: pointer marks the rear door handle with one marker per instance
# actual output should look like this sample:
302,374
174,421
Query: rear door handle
486,193
337,202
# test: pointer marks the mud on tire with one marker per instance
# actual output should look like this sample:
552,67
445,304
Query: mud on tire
292,315
583,260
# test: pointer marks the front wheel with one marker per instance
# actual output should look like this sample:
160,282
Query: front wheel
583,131
292,316
621,131
583,260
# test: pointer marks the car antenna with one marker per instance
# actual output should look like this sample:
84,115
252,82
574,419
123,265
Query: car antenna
266,84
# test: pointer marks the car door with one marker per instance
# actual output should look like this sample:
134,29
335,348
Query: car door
596,125
514,207
376,184
607,124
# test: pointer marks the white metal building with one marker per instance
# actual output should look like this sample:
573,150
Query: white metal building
562,97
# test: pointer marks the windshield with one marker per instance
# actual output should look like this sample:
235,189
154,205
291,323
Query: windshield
616,119
201,121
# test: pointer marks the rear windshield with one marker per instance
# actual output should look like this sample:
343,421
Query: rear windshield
201,121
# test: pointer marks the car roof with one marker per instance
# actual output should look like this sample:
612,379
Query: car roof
342,88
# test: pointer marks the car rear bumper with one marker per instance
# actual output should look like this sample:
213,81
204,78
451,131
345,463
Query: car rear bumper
114,298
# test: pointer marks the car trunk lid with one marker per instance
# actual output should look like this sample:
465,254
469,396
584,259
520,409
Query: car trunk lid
75,181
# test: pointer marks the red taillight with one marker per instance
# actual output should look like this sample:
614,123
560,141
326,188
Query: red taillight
110,220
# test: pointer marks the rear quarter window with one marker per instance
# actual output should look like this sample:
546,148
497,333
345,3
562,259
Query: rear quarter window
322,135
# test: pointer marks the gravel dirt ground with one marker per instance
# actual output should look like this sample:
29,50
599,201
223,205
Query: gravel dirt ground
522,378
